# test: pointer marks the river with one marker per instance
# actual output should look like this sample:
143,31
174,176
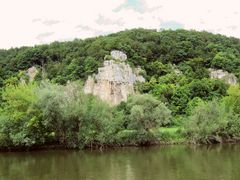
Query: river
172,162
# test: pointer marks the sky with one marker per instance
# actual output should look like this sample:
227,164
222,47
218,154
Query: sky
31,22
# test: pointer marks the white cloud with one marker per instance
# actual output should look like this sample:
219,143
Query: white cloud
43,36
29,22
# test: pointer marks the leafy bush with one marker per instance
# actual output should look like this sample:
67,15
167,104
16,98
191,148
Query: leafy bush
233,98
142,114
76,119
20,120
135,137
206,89
51,113
226,60
146,112
169,134
212,122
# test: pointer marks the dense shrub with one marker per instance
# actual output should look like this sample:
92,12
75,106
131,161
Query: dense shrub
145,112
142,114
212,122
233,98
50,113
20,120
76,119
226,60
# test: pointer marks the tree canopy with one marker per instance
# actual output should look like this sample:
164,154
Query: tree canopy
178,91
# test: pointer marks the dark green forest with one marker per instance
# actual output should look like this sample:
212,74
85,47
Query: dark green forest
177,103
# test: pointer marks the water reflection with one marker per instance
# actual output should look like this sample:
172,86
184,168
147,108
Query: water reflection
166,162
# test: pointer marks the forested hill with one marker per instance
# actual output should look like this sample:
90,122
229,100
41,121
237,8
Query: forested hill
160,55
180,102
191,51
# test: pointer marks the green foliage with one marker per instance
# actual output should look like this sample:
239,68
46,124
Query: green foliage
146,112
170,134
206,122
135,137
20,120
50,113
212,122
189,50
143,114
233,98
205,89
164,91
90,65
174,63
195,68
108,57
192,104
75,119
157,68
226,60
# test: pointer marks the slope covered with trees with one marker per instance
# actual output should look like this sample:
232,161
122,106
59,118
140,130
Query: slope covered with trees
182,102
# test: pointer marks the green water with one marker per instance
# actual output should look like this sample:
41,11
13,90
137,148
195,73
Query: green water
220,162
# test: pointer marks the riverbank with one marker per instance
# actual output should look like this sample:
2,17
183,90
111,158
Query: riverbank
115,146
34,116
93,147
125,138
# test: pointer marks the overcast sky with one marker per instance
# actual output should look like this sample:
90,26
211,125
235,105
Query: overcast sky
30,22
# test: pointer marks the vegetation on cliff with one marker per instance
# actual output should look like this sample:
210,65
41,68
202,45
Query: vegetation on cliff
179,101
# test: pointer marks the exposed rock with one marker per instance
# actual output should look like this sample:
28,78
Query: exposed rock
176,70
118,55
227,77
113,83
32,72
29,75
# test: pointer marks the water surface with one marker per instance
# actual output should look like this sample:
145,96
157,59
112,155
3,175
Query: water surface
178,162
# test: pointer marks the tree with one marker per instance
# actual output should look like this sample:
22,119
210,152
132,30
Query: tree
146,112
76,119
20,121
207,122
233,98
226,60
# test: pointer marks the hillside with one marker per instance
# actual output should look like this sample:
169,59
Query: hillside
190,52
78,58
176,65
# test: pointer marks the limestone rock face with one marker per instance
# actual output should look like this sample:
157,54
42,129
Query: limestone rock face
118,55
32,72
229,78
113,83
29,75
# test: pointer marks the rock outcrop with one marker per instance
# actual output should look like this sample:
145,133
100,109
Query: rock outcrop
31,73
227,77
114,81
118,55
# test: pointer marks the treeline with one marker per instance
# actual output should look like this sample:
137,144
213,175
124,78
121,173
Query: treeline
45,114
160,55
191,51
179,101
50,114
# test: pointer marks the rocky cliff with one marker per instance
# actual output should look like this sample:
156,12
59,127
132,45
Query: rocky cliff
31,73
227,77
114,81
